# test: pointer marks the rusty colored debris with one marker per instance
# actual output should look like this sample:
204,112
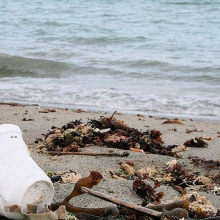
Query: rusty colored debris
107,131
173,121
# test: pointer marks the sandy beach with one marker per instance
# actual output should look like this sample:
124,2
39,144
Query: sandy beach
35,121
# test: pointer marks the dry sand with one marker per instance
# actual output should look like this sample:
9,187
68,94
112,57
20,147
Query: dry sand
33,123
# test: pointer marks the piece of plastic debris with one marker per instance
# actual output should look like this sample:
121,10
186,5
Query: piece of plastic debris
22,182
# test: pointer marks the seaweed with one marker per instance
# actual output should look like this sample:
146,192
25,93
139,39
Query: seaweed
106,131
197,142
209,164
173,121
146,191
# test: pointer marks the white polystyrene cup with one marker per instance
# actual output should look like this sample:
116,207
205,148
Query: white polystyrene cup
22,181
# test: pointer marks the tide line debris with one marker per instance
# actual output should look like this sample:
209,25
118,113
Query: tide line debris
190,205
106,131
72,138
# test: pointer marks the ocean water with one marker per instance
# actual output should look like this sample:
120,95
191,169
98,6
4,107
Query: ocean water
158,58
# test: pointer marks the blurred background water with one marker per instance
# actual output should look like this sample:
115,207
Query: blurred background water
152,57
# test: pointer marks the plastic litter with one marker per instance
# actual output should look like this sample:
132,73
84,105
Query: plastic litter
22,181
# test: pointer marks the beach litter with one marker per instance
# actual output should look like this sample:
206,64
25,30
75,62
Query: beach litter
23,183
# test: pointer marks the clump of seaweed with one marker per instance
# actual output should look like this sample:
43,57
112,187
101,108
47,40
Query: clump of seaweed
197,142
180,176
106,131
146,191
209,164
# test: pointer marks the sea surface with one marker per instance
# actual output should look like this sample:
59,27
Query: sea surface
159,58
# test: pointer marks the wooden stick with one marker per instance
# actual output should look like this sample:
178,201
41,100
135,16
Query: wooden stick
149,212
170,206
125,154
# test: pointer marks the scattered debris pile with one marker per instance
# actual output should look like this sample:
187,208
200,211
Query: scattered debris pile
173,174
107,131
187,183
110,132
190,205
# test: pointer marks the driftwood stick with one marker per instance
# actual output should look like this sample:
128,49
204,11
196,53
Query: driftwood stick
170,206
149,212
91,211
125,154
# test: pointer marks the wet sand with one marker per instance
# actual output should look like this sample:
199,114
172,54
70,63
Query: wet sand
34,121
